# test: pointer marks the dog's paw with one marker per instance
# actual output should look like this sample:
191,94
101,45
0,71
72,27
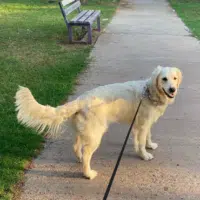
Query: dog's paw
152,146
146,156
91,175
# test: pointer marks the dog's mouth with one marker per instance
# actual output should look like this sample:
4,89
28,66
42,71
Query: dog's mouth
168,95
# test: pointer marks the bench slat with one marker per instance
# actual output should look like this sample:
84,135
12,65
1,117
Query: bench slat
79,16
86,16
71,8
93,16
85,19
65,2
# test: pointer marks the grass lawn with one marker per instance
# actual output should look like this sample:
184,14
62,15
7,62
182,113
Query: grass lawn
189,11
34,53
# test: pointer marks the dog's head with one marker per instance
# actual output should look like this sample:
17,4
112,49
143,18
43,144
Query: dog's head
164,83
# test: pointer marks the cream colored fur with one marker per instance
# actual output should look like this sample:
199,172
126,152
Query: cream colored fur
92,112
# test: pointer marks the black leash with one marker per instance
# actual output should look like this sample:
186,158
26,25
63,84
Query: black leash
120,155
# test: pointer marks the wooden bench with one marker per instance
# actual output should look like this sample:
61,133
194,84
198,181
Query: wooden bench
84,18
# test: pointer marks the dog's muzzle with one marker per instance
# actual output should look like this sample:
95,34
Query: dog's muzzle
171,90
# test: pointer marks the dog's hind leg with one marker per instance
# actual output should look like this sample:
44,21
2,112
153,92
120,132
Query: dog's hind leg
92,140
78,148
87,155
78,123
90,128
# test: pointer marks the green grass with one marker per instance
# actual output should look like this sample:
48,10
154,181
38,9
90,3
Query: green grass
189,11
34,53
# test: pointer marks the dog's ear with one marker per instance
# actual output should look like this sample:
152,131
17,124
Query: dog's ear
155,73
180,76
153,81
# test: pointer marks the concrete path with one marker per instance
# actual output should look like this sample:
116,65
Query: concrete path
143,34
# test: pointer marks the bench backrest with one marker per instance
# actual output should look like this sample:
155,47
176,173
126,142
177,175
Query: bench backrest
66,10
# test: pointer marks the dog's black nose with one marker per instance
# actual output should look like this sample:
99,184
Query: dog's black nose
172,89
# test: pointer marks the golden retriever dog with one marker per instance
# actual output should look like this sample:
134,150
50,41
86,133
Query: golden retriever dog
91,113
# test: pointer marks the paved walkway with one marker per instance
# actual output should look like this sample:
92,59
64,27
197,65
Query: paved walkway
143,34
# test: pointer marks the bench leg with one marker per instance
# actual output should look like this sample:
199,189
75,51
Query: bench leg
70,33
83,28
89,34
98,24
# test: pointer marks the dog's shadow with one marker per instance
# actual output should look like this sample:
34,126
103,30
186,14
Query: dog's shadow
76,174
128,152
53,173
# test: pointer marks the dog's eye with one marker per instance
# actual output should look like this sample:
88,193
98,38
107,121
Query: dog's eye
175,78
164,79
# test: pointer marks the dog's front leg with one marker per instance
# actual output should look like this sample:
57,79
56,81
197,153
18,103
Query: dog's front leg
135,140
149,143
142,138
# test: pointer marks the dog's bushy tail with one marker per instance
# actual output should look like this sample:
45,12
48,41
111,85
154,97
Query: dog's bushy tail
42,118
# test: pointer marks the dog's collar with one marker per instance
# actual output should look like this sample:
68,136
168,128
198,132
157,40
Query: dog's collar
147,95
